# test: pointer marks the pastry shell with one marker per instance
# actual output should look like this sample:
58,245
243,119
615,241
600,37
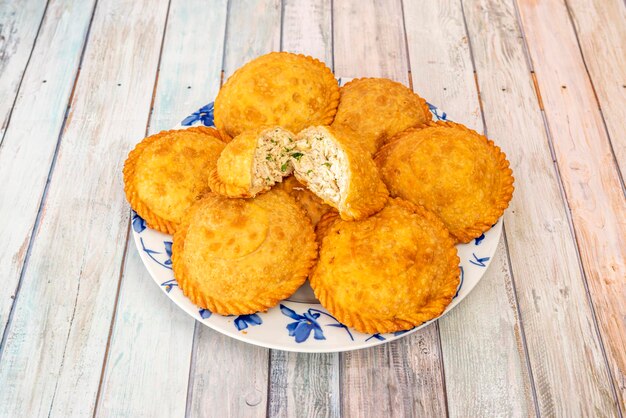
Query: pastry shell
390,272
376,109
279,88
240,256
451,170
166,172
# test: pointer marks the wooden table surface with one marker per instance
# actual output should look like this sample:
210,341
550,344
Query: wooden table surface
85,332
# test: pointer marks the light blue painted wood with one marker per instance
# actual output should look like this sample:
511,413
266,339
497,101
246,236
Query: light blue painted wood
229,377
404,377
305,384
307,29
152,337
19,24
30,140
52,360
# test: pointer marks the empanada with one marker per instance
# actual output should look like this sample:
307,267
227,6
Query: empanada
240,256
332,164
253,162
166,172
376,109
452,171
280,88
389,272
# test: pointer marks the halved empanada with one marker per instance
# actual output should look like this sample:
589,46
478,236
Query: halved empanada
253,162
333,165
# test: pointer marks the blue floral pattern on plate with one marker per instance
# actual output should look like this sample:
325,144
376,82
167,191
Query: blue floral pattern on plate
243,321
203,115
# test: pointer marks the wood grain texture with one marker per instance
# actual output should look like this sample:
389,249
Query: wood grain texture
307,29
305,385
30,141
52,359
229,377
568,369
602,38
401,378
19,24
253,29
152,337
588,170
405,377
486,372
369,39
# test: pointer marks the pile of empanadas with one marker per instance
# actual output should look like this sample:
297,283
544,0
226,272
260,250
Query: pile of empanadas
355,189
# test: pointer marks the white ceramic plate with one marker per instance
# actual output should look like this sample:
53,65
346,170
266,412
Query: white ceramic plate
298,323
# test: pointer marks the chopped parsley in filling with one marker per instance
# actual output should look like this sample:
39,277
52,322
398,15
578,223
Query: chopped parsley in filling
272,159
321,164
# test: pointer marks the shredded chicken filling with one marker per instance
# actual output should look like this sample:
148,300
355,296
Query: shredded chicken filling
272,159
321,165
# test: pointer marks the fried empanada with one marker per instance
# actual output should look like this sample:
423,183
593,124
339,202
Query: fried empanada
280,88
240,256
253,162
166,173
333,165
452,171
390,272
376,109
312,205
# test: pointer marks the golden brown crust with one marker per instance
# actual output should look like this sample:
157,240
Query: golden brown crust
163,224
279,88
240,256
324,224
314,207
378,288
375,109
366,192
467,186
232,176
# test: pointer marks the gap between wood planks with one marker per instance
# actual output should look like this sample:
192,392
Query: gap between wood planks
128,226
5,332
564,196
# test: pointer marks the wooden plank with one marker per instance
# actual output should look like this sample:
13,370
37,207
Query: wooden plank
369,33
30,141
51,361
568,369
305,384
588,170
245,41
404,377
152,338
19,26
602,39
481,343
307,29
147,367
229,377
